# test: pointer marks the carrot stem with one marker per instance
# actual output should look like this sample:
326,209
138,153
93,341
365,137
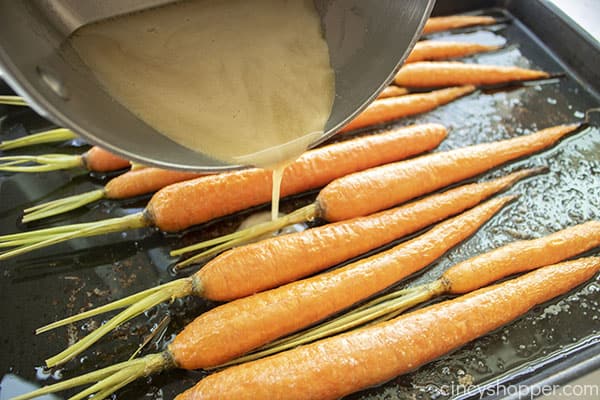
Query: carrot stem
12,100
45,163
44,232
51,136
60,206
176,289
115,305
126,372
244,236
29,241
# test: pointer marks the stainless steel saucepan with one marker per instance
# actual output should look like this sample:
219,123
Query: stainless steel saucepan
368,41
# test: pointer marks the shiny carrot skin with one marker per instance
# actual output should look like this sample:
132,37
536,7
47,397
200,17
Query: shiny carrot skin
464,277
432,50
174,208
237,327
272,262
525,255
334,367
384,110
426,74
382,187
146,180
438,24
100,160
392,91
256,267
184,204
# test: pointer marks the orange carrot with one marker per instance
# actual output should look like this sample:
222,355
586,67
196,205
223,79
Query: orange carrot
352,196
98,159
135,182
463,277
95,159
432,50
398,182
239,326
437,24
332,368
184,204
384,110
279,260
209,339
392,91
525,255
451,73
282,259
382,187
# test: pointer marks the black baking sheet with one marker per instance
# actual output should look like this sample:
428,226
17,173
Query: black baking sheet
553,343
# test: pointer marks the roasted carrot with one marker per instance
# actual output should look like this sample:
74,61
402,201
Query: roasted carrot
135,182
95,159
392,91
50,136
438,24
332,368
239,326
279,260
384,110
382,187
398,182
433,50
98,159
298,304
463,277
452,73
184,204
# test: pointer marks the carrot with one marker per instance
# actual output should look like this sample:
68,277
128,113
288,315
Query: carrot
438,24
184,204
384,110
398,182
378,188
50,136
298,304
95,159
463,277
279,260
12,100
432,50
332,368
451,73
135,182
392,91
98,159
239,326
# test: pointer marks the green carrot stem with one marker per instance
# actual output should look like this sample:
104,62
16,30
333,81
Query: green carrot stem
115,305
44,163
133,221
124,372
12,100
46,231
61,206
244,236
177,289
51,136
